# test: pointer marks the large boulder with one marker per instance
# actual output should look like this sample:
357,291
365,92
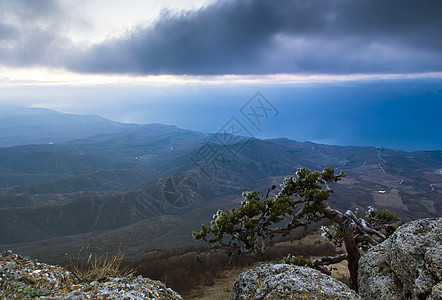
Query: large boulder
23,278
282,281
408,265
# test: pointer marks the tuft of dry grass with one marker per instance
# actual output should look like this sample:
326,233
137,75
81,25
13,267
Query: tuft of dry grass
100,268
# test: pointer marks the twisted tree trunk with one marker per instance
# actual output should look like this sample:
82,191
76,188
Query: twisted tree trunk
353,255
351,245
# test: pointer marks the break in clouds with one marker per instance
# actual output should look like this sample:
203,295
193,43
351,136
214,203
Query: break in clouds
238,37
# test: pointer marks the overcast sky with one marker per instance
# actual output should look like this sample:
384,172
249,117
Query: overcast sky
194,63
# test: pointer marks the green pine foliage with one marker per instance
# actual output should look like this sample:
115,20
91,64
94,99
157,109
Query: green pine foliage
298,260
247,227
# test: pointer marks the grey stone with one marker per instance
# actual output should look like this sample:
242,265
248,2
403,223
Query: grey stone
282,281
408,265
10,266
75,295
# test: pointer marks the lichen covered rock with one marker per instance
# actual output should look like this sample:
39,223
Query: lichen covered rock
283,281
408,265
119,288
23,278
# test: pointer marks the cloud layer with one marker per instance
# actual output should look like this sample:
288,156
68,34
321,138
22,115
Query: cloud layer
32,33
240,37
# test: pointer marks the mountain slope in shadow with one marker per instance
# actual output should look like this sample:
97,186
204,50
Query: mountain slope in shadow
147,185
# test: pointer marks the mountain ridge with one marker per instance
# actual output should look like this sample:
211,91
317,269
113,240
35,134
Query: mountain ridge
104,184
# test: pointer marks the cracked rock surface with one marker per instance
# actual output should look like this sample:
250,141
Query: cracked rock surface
408,265
283,281
23,278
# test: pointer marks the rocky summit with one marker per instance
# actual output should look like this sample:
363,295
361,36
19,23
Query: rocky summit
283,281
408,265
23,278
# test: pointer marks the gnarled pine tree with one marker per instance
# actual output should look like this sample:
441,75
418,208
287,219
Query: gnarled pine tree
302,200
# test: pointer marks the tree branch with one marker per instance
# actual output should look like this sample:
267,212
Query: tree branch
329,260
333,214
366,238
363,225
319,264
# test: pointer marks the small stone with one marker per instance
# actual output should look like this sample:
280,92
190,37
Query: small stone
9,266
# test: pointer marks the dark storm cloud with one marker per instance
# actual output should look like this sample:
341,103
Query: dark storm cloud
257,36
263,36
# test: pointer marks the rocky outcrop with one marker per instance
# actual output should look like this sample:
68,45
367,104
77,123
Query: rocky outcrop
408,265
22,278
283,281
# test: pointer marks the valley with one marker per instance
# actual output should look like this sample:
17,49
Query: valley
147,187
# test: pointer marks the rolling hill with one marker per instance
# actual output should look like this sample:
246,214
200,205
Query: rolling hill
25,125
147,186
